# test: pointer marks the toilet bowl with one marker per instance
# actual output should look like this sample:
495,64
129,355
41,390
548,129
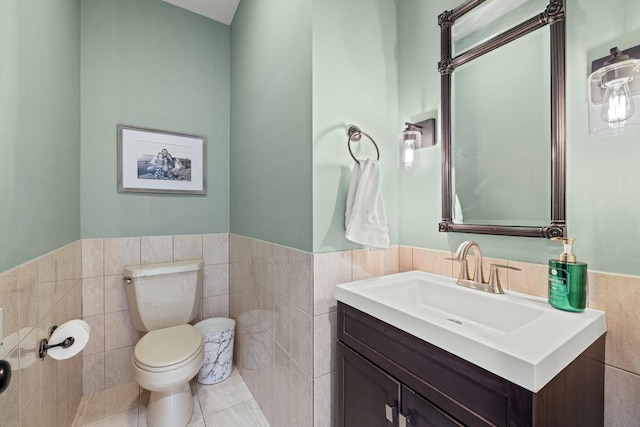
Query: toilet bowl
164,361
163,298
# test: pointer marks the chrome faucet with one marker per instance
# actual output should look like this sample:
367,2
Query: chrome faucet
477,280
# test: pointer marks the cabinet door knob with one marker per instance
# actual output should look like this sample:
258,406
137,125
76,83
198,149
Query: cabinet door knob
391,412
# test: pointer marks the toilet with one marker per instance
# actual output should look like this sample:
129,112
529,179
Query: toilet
163,298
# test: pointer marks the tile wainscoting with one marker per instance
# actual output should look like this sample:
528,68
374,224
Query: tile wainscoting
107,357
283,302
34,296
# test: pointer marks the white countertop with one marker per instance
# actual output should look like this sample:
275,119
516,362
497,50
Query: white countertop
516,336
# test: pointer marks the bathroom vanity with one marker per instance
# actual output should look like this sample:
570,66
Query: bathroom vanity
394,376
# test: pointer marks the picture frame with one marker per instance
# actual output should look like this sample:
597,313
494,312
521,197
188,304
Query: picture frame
158,161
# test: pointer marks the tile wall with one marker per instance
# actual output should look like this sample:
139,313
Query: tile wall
282,300
107,357
271,299
34,296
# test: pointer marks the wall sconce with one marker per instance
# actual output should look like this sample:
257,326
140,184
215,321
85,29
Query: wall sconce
614,92
414,137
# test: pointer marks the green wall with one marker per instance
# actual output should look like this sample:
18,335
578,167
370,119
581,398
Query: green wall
271,157
274,94
603,204
150,64
39,127
355,81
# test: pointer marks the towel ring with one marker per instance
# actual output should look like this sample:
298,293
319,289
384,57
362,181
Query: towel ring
355,134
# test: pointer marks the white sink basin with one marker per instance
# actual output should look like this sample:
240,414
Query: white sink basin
516,336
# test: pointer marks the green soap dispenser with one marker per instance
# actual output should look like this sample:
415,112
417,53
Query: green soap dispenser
567,280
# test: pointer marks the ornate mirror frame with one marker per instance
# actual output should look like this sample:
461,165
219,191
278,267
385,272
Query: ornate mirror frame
554,16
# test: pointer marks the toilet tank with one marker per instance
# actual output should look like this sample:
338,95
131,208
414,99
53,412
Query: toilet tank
164,294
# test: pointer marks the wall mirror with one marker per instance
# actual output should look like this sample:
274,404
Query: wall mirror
502,73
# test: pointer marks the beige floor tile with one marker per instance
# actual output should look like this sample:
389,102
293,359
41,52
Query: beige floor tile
122,419
218,397
228,403
115,400
244,414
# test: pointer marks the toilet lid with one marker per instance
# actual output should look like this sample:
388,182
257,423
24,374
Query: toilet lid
168,346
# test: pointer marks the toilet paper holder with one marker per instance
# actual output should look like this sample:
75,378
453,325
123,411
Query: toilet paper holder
44,344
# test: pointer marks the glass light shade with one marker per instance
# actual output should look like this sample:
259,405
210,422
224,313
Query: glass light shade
407,156
618,103
614,91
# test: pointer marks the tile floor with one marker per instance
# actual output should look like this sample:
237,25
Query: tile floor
226,404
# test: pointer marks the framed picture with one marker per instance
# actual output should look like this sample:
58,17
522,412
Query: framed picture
156,161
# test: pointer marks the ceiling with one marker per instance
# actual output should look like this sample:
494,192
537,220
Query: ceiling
218,10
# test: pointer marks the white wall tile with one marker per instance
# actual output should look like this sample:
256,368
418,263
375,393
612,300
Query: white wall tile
92,296
367,263
217,306
120,252
118,331
622,394
302,339
117,367
93,373
324,408
10,297
155,249
28,298
29,378
282,310
324,343
281,373
301,397
187,247
302,280
96,337
215,248
47,267
115,295
215,280
330,269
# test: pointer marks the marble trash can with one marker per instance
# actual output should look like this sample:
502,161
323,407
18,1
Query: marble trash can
218,334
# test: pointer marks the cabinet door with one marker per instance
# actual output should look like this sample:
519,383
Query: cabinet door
419,412
367,396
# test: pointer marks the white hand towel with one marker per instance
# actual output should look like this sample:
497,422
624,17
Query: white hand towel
365,217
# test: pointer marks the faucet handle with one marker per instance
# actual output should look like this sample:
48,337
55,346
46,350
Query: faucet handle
494,278
464,269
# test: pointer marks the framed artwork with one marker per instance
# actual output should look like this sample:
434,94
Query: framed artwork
156,161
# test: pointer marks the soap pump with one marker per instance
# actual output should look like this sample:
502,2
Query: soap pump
567,279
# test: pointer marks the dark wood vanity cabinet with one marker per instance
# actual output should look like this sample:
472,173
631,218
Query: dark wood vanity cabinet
387,377
371,397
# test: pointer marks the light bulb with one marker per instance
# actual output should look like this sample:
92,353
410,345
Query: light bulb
408,144
408,153
618,104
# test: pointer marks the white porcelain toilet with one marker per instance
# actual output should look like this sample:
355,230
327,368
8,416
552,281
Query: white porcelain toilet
163,299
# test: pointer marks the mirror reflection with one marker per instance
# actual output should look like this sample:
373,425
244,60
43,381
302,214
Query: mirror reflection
503,118
501,135
489,19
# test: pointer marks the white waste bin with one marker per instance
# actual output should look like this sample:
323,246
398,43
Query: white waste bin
218,334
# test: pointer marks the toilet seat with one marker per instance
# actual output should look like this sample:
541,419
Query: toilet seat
168,349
